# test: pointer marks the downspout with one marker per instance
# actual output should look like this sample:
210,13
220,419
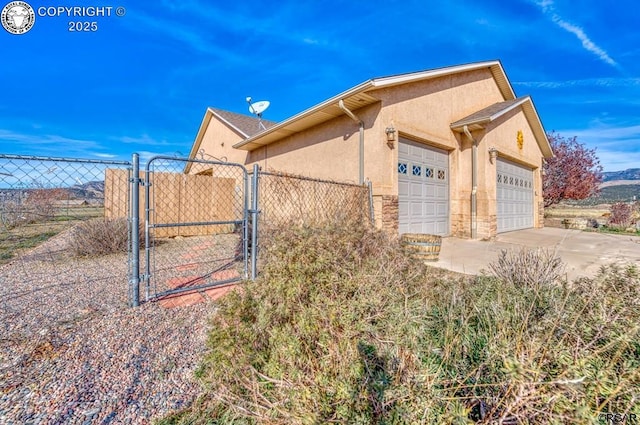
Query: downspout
361,147
474,183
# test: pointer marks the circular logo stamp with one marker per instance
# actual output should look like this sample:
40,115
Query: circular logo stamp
17,17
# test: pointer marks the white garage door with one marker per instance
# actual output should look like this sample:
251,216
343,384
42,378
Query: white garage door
515,196
423,189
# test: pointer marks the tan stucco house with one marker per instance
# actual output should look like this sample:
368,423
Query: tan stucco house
449,151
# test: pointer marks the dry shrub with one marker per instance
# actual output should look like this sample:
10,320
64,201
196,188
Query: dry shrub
528,267
38,205
101,236
621,214
42,201
341,327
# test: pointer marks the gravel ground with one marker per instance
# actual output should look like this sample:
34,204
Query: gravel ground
73,352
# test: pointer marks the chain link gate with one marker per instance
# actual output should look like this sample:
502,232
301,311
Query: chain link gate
196,215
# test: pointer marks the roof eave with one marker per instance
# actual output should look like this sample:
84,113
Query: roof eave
278,131
251,143
495,65
538,129
480,123
531,115
199,136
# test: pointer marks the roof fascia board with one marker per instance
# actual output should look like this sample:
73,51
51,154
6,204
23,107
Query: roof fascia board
486,120
334,100
507,92
199,136
434,73
538,128
530,113
228,124
509,108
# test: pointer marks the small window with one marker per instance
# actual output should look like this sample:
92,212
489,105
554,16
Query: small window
402,167
441,175
428,172
499,178
511,181
416,170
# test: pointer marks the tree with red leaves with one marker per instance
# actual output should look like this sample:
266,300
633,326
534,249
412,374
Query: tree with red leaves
573,173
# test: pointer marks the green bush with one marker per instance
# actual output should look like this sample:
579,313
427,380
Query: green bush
341,327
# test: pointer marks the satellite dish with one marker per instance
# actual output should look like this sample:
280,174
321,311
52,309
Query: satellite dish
258,107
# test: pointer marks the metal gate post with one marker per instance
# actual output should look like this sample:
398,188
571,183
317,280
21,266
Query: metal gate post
134,279
371,214
147,239
254,221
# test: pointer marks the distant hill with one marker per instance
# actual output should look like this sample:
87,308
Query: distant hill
88,191
629,174
611,194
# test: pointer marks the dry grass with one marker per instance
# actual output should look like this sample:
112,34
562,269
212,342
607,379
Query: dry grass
343,328
101,236
527,267
22,230
576,212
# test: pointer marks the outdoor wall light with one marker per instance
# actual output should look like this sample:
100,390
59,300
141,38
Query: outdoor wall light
391,134
493,154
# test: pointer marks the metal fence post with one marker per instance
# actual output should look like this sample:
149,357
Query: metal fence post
254,221
147,238
371,213
135,232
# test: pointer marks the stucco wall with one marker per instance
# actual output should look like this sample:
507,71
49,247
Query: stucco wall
218,141
328,151
420,111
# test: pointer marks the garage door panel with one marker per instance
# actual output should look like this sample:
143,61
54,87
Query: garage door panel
416,189
429,209
416,209
514,196
423,188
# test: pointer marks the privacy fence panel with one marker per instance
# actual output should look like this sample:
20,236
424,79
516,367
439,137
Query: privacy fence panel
195,215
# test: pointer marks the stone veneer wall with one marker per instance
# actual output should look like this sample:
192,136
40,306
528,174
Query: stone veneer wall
390,214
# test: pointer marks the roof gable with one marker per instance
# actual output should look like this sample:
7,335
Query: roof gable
244,125
477,120
480,119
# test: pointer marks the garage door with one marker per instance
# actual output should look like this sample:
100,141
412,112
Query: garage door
423,189
515,196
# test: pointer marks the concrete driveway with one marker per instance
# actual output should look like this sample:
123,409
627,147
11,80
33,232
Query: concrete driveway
582,252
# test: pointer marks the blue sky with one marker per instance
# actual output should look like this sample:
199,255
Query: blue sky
142,82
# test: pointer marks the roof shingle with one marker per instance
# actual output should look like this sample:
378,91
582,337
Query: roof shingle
245,124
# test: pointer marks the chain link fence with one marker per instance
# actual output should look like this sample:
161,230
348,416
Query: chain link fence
82,240
196,225
46,274
286,199
67,221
